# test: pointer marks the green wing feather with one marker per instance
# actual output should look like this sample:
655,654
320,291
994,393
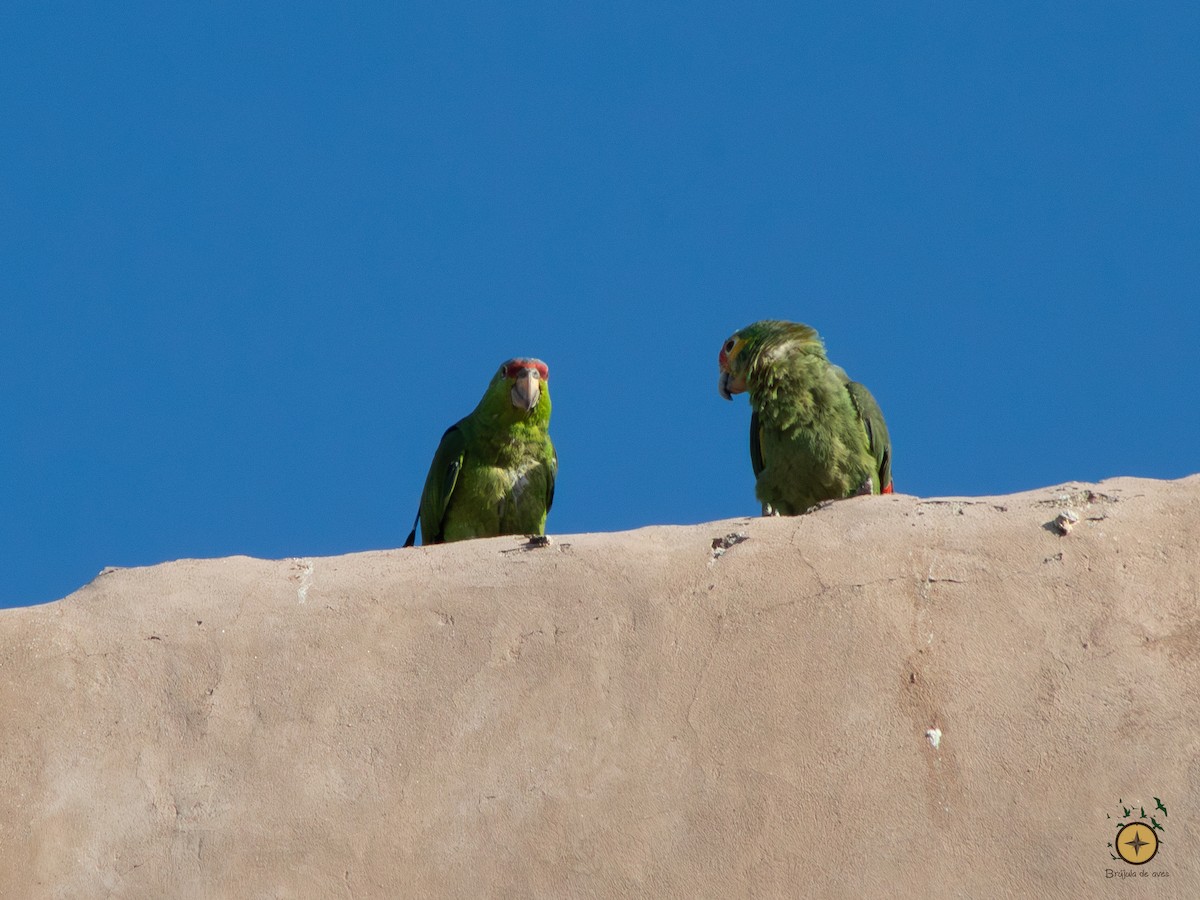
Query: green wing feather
871,416
439,486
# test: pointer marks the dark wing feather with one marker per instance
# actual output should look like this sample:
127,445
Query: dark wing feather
551,477
756,459
439,485
877,434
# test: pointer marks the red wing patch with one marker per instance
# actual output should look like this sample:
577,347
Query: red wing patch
888,489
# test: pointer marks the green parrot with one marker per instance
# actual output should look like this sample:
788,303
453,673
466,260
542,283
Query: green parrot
814,434
493,473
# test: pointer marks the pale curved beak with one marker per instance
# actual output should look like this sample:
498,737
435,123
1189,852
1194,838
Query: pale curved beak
727,385
527,390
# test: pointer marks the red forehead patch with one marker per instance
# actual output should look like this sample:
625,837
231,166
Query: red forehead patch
514,366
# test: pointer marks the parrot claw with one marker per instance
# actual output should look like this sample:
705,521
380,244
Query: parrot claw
865,489
533,542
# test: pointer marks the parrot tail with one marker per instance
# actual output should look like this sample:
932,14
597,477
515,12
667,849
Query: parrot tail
411,540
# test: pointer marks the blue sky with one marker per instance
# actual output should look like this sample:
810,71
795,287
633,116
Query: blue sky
254,258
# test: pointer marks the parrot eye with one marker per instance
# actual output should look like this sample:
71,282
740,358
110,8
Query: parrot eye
729,345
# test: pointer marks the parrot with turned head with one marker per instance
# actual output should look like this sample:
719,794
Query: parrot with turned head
815,435
493,472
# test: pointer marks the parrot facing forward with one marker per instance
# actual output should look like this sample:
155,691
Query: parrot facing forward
814,434
494,470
